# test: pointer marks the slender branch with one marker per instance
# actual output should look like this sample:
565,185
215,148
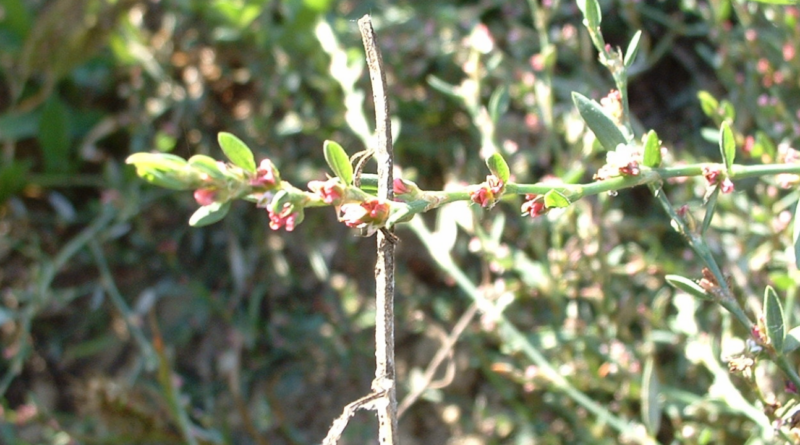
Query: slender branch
384,268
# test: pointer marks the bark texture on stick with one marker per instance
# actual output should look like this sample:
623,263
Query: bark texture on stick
384,269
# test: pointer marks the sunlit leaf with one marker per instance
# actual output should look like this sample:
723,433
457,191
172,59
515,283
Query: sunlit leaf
708,104
498,166
554,199
652,150
599,122
727,145
338,161
237,151
591,13
687,285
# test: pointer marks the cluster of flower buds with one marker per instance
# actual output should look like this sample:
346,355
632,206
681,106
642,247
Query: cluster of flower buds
716,176
624,161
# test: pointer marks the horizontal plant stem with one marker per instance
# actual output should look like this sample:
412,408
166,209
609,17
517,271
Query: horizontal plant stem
573,192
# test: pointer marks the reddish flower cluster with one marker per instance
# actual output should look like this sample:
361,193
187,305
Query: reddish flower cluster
370,215
331,191
714,176
287,218
534,205
489,192
265,175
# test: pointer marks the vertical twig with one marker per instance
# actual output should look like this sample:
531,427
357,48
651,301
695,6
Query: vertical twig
384,268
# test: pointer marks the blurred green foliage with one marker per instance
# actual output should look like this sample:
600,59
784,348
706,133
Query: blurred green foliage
121,324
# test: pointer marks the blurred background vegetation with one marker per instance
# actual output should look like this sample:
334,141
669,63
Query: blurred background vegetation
121,324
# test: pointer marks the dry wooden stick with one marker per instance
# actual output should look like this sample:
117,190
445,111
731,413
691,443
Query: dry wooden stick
384,268
383,398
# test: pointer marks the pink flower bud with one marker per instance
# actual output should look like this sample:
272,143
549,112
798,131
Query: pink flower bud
331,191
205,197
287,218
371,214
265,175
534,206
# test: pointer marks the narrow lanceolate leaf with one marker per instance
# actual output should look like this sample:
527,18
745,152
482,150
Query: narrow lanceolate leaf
633,49
209,214
591,13
727,145
599,122
651,406
796,234
708,104
237,151
338,161
498,166
554,199
711,206
652,150
773,318
687,285
792,340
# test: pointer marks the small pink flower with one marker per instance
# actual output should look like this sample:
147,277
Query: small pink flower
265,175
533,206
205,197
371,214
631,169
715,176
331,191
287,218
487,194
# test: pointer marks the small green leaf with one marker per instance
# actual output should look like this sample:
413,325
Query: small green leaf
708,103
633,49
727,145
773,317
162,169
207,165
209,214
652,150
498,103
599,122
792,340
711,206
651,406
796,233
592,14
554,199
687,285
338,161
237,151
498,166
